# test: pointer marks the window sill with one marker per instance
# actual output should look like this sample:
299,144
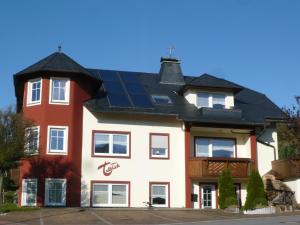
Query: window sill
33,104
59,103
111,156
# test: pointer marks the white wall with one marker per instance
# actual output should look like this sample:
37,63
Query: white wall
294,184
139,169
265,154
191,97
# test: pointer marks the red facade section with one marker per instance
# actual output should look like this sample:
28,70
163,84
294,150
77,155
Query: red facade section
253,144
68,166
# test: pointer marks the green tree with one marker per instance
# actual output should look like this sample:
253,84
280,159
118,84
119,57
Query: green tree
256,196
289,132
227,195
13,140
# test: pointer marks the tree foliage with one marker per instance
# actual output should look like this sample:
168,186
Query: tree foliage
227,195
256,196
13,140
289,133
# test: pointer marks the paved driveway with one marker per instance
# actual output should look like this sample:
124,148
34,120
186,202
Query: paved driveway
68,216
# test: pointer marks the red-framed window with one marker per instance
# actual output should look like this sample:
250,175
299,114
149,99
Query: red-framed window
159,146
111,144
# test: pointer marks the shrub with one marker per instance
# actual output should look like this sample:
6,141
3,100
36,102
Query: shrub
256,196
10,207
227,195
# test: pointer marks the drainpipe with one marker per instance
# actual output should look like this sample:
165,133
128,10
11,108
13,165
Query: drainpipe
265,143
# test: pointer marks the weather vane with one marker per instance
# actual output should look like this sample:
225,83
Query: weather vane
171,50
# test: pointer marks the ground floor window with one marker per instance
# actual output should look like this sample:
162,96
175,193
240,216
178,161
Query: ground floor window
55,192
159,194
110,194
29,190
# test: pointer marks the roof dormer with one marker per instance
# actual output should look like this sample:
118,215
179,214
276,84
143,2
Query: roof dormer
210,92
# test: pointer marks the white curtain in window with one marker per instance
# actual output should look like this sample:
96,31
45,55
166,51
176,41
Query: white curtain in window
159,141
203,99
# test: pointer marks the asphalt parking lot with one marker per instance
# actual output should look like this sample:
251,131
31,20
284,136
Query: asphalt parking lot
90,216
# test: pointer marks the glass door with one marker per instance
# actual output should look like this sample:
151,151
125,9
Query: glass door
208,199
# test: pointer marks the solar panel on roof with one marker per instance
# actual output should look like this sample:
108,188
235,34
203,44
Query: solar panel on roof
129,77
136,91
118,100
116,95
107,75
141,101
134,88
113,87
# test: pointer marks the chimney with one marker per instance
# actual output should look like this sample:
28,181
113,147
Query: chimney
170,71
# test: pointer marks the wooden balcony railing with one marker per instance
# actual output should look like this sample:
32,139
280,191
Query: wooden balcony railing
211,167
286,168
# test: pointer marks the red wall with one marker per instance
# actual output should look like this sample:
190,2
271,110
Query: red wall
57,166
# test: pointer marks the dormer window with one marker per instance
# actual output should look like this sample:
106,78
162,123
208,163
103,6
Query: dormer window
211,100
161,99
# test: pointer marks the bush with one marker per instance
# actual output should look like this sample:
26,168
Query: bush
10,207
256,196
10,197
227,195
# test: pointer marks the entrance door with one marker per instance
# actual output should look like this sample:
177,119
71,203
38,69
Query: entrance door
208,196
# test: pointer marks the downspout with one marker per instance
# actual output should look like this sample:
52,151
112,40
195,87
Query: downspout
265,143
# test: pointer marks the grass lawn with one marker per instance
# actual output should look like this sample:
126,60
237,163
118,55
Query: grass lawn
10,207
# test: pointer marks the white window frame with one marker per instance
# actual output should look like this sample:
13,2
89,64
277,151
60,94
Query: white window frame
109,204
64,182
29,91
24,193
27,150
54,151
110,143
67,92
210,146
210,98
167,186
166,156
213,196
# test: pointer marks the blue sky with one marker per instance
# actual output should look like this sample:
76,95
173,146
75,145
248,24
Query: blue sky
255,43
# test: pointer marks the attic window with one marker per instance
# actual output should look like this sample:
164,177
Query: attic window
161,99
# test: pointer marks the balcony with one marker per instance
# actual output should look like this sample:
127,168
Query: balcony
286,168
205,168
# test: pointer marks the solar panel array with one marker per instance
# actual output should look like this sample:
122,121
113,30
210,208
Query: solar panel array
124,90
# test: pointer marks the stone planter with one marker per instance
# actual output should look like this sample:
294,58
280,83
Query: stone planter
232,209
265,210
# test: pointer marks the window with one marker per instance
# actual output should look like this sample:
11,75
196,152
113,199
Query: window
212,100
159,146
214,147
218,101
34,91
111,144
32,139
55,192
161,99
107,195
57,139
159,194
29,190
59,90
